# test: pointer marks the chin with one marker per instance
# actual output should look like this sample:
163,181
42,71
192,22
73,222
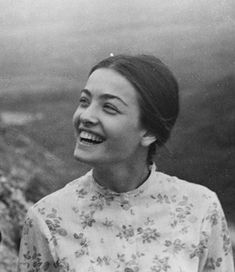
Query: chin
80,157
84,158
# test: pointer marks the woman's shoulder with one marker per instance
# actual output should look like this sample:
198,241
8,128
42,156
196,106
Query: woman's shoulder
186,189
64,196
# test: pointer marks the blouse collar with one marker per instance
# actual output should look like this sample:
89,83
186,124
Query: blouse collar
139,190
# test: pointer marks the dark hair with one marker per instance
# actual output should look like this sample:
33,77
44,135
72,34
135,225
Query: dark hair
157,91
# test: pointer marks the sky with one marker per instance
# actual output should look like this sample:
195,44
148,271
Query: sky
49,45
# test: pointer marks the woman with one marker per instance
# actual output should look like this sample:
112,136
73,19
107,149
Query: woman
124,215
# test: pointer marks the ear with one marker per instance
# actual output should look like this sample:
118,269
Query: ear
147,139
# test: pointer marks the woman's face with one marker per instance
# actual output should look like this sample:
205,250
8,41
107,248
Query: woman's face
106,121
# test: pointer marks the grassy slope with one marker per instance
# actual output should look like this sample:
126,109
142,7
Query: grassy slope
54,132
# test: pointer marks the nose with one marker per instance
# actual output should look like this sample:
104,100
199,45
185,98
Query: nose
86,116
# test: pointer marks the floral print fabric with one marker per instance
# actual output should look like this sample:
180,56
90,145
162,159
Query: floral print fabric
165,225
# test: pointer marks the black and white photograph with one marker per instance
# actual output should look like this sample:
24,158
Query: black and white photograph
117,136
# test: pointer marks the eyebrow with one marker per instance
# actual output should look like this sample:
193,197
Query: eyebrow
105,96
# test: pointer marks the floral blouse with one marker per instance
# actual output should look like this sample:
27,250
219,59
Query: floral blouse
165,225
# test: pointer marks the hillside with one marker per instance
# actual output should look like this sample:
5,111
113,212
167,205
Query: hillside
27,173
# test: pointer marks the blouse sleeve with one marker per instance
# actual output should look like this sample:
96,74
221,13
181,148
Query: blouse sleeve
218,255
36,248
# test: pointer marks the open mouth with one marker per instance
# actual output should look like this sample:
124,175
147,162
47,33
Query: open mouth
89,138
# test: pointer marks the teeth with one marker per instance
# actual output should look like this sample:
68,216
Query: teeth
89,136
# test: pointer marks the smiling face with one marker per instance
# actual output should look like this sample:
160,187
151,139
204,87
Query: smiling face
106,121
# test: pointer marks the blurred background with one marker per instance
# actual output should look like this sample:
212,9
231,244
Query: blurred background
46,51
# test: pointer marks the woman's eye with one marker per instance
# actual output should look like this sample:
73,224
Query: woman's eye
83,101
110,108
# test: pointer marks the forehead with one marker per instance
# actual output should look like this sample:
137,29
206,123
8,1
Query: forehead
105,80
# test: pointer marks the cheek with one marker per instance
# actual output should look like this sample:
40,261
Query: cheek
124,135
75,118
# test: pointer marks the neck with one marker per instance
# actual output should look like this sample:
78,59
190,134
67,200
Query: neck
121,178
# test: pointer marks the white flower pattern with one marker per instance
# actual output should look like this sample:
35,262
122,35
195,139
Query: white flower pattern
165,225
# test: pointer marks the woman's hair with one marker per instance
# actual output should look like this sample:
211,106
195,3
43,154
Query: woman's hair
157,91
